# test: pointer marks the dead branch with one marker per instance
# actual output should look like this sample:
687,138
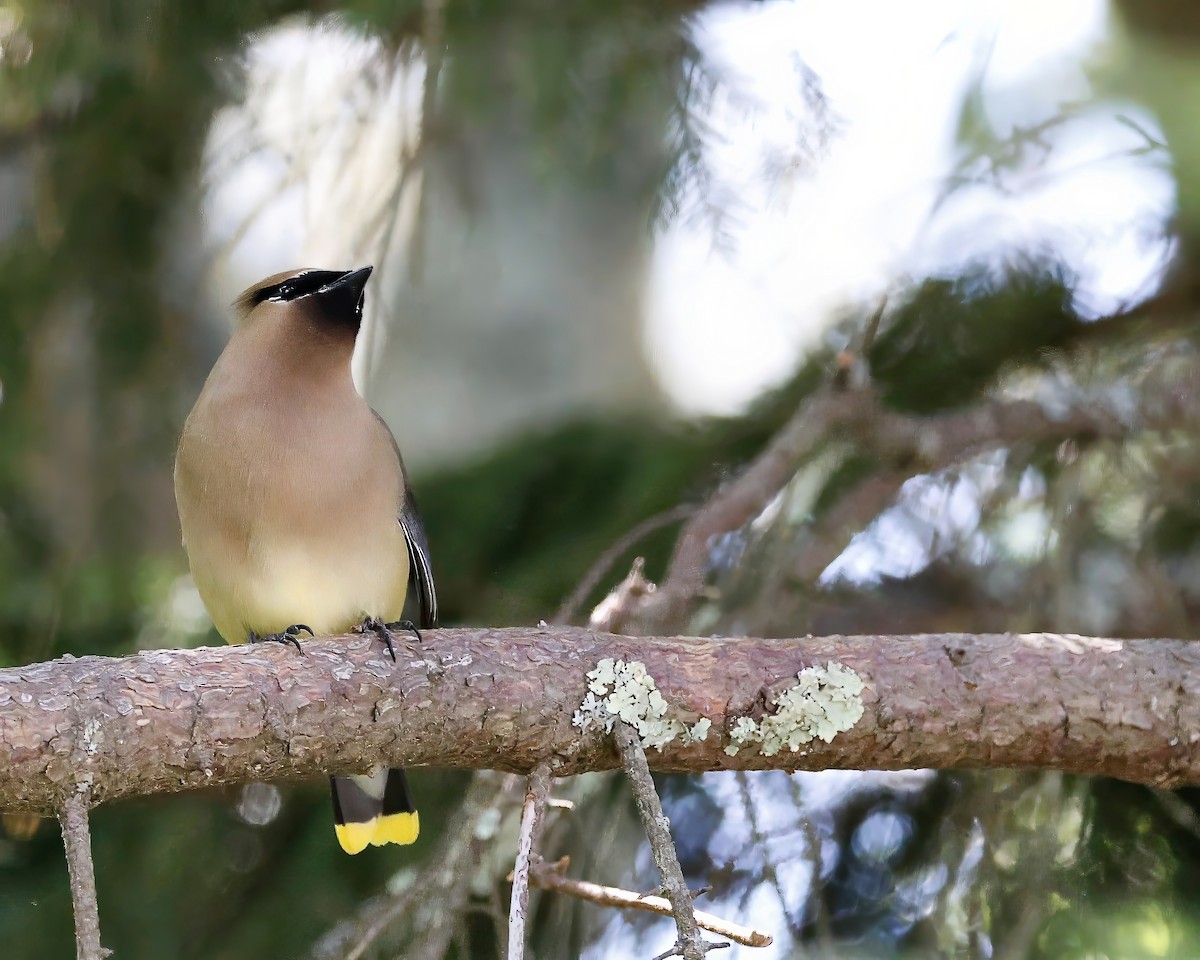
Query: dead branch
77,839
690,945
171,720
550,876
918,443
532,815
624,599
627,541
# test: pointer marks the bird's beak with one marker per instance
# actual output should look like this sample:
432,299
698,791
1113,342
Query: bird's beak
347,290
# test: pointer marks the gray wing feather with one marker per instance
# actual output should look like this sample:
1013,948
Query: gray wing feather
420,570
418,560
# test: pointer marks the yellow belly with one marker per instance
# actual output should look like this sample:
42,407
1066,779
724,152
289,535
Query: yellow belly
290,586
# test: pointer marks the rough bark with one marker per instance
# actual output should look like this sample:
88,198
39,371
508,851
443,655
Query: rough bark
503,698
77,841
533,815
690,945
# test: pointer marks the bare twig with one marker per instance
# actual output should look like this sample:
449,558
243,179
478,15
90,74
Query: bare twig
624,599
570,607
549,876
678,951
690,945
532,815
77,840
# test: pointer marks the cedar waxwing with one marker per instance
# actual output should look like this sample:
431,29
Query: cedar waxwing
294,502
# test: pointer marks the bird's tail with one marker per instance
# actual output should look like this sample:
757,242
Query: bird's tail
373,810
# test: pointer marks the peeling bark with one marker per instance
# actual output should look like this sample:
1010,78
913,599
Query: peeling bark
172,720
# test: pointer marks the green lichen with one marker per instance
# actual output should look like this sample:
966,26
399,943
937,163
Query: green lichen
825,702
618,690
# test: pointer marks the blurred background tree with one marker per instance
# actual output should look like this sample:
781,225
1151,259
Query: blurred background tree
618,245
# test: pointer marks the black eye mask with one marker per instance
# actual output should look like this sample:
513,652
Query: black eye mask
299,286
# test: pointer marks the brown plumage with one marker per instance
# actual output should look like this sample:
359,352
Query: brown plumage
292,495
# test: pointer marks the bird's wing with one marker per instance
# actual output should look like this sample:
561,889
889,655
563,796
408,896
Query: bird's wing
418,560
419,567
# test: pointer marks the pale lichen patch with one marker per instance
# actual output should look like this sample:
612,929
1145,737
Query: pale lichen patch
620,690
824,702
91,736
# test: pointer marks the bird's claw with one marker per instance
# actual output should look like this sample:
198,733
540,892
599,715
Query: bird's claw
407,626
384,631
289,635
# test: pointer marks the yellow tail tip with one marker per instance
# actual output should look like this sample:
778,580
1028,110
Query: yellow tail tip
401,828
354,837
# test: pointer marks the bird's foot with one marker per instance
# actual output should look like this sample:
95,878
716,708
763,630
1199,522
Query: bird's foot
384,631
407,626
290,635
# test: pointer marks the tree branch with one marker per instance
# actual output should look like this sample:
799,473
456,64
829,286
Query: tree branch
550,876
627,541
172,720
532,812
690,944
77,840
919,443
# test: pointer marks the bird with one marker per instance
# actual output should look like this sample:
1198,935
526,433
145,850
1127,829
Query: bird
294,503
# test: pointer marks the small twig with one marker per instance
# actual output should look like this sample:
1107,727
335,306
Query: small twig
690,945
661,891
625,598
532,817
677,951
549,876
77,840
852,371
570,607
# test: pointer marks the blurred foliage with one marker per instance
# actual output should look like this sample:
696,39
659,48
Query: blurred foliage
951,337
514,539
103,113
102,128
